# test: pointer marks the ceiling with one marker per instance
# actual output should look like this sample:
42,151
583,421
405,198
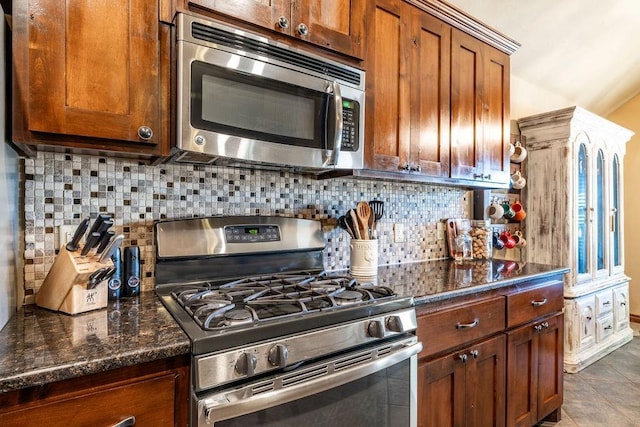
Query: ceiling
585,52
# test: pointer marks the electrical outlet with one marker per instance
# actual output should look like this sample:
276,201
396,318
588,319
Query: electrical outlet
440,230
65,234
398,233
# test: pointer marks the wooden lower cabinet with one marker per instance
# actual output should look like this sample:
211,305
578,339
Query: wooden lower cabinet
494,358
534,366
153,394
465,387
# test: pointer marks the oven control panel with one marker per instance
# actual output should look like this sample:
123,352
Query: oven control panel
252,233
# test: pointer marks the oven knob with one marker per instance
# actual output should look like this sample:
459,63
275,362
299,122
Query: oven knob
246,364
394,323
376,329
278,355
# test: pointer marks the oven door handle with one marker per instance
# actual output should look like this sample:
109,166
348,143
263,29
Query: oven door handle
338,371
333,88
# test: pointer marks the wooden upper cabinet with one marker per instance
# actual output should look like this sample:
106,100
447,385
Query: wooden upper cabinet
332,24
407,65
99,73
264,13
388,100
479,111
431,49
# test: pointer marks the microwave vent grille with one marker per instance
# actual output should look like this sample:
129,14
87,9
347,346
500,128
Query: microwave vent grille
235,41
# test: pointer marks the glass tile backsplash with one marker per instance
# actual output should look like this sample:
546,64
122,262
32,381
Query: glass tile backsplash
61,189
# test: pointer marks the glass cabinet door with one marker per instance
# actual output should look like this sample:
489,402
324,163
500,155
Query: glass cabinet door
600,217
616,205
582,257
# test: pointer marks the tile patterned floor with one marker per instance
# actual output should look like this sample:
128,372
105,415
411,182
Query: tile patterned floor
606,393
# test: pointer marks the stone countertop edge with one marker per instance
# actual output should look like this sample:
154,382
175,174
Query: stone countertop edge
426,299
39,346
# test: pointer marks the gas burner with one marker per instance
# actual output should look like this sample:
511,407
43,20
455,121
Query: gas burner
236,316
348,297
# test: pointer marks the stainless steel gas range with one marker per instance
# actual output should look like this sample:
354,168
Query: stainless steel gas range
275,340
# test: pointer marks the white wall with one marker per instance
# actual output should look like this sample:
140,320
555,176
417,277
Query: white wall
8,207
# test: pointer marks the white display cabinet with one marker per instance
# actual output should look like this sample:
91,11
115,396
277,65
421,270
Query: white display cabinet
574,196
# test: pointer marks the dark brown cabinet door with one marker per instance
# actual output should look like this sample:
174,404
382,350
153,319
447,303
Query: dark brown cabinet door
333,24
388,98
495,115
534,371
79,74
430,70
466,106
441,391
479,110
465,387
264,13
550,362
407,64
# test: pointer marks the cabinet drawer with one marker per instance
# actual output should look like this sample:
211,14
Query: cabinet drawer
150,401
604,302
525,306
461,325
604,327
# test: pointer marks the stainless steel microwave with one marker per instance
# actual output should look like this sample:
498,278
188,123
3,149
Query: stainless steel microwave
243,98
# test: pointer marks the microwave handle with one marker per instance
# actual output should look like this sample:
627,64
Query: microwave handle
334,88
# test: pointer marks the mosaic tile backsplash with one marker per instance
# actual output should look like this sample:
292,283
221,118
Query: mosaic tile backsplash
61,189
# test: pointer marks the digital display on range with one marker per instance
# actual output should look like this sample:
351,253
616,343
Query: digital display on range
252,233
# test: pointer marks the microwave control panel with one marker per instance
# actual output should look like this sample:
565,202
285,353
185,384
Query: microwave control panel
350,114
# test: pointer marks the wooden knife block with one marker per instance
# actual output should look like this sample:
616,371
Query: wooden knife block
65,287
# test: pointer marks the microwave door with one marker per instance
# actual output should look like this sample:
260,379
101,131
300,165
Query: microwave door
334,125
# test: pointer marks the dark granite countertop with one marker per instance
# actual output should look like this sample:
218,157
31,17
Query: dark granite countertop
438,280
38,346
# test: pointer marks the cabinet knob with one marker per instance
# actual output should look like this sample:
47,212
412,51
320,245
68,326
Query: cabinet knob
463,357
474,354
145,132
406,167
538,328
545,325
283,22
303,30
608,327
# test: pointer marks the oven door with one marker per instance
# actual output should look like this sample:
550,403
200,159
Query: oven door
374,386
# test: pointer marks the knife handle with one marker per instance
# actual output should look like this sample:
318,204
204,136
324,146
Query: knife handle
72,246
105,238
90,243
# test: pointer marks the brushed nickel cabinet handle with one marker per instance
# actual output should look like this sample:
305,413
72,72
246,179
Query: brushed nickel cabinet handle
467,325
463,357
127,422
474,353
538,303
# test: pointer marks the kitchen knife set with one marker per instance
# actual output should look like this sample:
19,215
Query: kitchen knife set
361,222
99,238
102,242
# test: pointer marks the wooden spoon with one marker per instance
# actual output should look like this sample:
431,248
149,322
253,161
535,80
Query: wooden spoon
364,213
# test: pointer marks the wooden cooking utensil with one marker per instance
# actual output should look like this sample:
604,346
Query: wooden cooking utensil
364,213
